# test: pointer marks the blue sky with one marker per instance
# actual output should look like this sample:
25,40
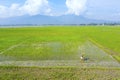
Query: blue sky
93,9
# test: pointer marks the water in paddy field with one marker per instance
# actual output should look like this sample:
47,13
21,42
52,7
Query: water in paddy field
96,56
43,51
92,55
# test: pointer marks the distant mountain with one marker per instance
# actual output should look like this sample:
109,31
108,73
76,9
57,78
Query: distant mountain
41,19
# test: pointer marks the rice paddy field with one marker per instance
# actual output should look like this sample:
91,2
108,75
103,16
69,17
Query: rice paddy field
54,53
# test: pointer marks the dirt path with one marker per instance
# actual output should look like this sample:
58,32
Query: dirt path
54,63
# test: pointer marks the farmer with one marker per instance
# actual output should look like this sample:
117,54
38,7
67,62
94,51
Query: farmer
82,57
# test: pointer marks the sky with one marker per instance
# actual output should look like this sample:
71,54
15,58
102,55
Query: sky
93,9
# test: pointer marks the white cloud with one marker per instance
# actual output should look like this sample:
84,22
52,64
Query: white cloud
76,6
13,10
34,7
31,7
3,11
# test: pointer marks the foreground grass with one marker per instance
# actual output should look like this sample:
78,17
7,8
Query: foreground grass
24,73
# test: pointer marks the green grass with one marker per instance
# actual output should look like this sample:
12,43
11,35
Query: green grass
59,43
68,73
26,42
